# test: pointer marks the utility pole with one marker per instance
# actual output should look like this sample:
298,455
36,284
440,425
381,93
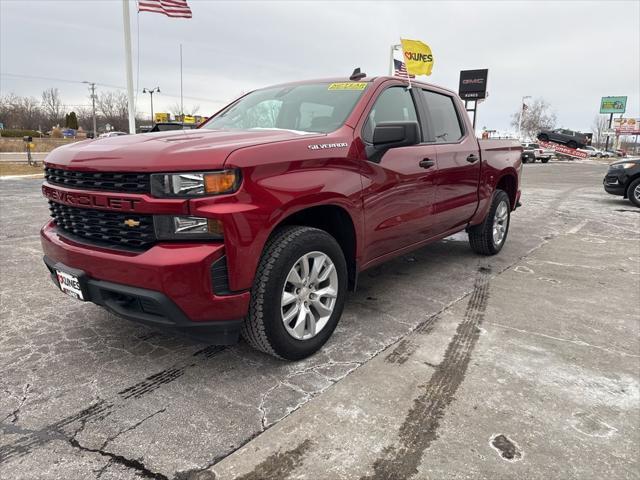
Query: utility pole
521,115
151,91
92,87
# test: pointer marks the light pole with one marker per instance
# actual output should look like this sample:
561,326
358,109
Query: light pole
151,91
522,108
92,87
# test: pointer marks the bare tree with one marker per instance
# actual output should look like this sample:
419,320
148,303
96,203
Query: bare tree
537,116
52,106
113,109
599,125
188,110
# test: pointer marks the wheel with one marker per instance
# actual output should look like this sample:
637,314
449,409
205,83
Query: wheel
489,237
572,144
545,160
298,293
633,192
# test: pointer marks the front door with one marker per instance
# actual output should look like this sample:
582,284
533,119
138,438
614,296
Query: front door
399,188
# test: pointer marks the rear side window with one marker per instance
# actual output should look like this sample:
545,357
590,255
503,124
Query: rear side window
393,105
443,117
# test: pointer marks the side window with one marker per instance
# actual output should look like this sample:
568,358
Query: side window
443,117
393,105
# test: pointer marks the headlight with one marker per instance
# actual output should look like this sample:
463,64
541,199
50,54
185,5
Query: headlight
187,228
619,166
196,184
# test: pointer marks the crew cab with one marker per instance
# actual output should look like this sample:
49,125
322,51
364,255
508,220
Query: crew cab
260,221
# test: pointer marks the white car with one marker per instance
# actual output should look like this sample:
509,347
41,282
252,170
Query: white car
594,152
112,134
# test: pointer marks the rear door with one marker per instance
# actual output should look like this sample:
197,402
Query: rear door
458,161
398,187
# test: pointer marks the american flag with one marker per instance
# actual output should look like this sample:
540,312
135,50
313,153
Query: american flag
401,69
170,8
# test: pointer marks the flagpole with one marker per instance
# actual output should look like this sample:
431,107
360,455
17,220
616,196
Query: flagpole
407,65
127,52
181,98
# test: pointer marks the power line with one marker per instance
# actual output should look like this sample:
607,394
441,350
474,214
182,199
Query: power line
53,79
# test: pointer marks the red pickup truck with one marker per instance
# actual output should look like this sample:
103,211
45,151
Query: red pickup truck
260,221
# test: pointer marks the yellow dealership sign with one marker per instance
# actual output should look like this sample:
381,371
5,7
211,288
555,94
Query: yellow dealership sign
161,117
417,57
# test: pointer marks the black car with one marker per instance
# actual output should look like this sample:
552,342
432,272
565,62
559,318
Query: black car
528,153
567,137
623,178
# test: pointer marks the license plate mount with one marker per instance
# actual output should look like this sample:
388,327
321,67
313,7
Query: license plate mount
70,282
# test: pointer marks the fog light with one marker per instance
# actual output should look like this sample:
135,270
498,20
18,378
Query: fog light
187,228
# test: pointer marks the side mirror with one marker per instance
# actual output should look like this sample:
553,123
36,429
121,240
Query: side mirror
395,134
388,135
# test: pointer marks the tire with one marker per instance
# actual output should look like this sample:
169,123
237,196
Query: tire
481,237
633,192
264,328
545,160
572,144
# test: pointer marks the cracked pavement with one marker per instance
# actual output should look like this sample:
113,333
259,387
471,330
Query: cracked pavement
89,395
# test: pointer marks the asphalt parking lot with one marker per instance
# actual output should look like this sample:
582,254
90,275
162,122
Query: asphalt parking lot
445,364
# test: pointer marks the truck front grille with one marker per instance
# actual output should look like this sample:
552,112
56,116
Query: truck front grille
113,182
123,230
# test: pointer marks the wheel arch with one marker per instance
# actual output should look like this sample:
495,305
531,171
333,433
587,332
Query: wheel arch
628,184
508,182
337,222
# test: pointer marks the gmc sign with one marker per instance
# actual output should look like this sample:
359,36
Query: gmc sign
473,84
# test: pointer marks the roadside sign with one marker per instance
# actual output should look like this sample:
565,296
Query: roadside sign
613,104
561,149
161,117
626,126
473,84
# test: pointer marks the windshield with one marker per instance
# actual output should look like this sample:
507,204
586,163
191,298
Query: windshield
314,108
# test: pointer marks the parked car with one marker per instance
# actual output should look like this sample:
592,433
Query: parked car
566,137
623,178
259,223
168,126
594,152
542,154
112,134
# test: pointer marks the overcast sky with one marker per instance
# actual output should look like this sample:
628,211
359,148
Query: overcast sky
569,53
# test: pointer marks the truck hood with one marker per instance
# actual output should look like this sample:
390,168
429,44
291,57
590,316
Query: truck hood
180,150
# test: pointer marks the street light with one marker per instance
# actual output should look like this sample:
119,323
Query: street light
92,86
151,92
521,115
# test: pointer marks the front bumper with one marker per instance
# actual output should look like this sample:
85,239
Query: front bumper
169,286
615,182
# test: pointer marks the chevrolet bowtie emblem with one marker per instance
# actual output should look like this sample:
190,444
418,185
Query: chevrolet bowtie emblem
130,222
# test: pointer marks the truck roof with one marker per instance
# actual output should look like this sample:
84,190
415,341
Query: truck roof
374,80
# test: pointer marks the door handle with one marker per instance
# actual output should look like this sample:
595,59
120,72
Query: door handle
472,158
426,163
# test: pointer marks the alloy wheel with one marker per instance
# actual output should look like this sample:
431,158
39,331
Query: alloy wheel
309,295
